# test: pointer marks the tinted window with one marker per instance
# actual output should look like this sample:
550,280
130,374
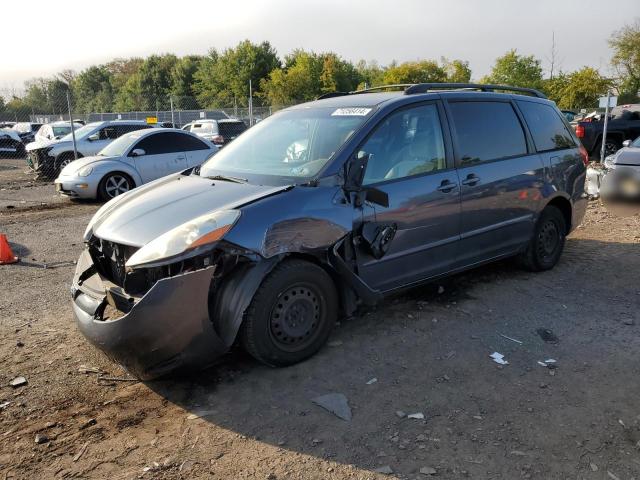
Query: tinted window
231,129
487,131
547,128
187,143
162,142
407,142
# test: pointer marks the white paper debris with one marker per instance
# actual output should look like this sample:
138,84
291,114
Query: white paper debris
417,416
499,358
372,381
510,338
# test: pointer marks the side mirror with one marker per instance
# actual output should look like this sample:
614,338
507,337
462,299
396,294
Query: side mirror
354,172
94,137
626,143
137,152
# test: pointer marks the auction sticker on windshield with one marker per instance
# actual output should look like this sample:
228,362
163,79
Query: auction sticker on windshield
351,111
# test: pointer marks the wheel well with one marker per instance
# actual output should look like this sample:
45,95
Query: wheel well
64,155
564,206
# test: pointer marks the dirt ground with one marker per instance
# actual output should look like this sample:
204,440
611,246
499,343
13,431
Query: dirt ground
427,349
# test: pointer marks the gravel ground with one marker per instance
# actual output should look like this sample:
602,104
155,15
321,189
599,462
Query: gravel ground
428,350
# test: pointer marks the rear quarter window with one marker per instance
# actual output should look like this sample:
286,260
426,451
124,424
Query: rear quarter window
547,128
487,131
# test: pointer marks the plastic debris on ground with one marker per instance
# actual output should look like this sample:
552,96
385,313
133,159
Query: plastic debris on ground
499,358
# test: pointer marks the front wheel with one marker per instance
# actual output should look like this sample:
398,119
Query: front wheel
114,184
291,314
546,245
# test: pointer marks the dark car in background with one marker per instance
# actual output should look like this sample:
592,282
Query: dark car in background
320,208
623,124
27,131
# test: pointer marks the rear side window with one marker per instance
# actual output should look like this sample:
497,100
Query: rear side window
548,130
187,143
231,129
487,131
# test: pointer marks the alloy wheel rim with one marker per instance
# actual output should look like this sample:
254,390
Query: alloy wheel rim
116,185
65,162
295,318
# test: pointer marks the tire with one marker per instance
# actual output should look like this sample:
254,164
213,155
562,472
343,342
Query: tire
112,185
291,314
611,147
546,245
63,160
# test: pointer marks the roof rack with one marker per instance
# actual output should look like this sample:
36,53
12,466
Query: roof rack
426,87
414,88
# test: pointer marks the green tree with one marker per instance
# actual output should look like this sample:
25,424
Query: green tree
457,71
182,80
516,70
223,79
93,90
579,89
298,81
424,71
371,74
626,61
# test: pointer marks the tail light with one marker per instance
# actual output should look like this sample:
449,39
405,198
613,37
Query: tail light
585,155
579,131
218,139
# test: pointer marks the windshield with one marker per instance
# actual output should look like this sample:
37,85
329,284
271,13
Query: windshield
60,131
636,142
292,143
119,146
81,132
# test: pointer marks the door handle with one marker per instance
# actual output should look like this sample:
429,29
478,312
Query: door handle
446,186
471,180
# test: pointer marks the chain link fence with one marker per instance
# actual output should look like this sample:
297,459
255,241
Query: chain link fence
30,126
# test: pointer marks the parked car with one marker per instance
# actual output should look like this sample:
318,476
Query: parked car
620,178
26,130
219,132
624,124
54,131
11,144
132,160
7,124
49,158
322,207
569,115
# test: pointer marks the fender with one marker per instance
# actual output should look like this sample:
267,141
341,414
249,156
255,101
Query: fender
233,299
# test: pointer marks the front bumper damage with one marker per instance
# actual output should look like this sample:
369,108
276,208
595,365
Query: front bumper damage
167,328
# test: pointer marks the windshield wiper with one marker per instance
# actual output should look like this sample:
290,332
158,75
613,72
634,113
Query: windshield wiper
227,178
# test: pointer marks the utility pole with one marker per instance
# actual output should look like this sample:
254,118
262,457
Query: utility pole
173,123
604,130
73,131
250,105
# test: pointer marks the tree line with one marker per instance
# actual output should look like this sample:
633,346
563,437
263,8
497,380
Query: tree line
222,78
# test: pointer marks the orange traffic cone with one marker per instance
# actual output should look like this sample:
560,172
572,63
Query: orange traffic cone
6,255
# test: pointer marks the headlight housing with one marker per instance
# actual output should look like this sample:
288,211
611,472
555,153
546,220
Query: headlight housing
84,171
187,239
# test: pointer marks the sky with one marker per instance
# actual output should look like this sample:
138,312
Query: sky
52,36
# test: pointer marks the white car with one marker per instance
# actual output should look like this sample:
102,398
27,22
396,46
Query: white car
48,158
54,131
219,132
131,160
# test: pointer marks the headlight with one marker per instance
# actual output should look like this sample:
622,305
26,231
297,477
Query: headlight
189,237
84,171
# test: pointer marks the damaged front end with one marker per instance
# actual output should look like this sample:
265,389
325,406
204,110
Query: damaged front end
158,319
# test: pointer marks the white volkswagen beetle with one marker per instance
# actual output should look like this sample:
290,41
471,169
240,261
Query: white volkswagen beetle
131,160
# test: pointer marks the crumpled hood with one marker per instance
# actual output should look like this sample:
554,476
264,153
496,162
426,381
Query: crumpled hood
76,165
627,156
38,144
157,207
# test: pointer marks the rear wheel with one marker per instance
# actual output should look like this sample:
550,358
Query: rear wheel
291,314
114,184
547,243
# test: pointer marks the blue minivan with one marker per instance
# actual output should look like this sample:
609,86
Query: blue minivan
323,207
